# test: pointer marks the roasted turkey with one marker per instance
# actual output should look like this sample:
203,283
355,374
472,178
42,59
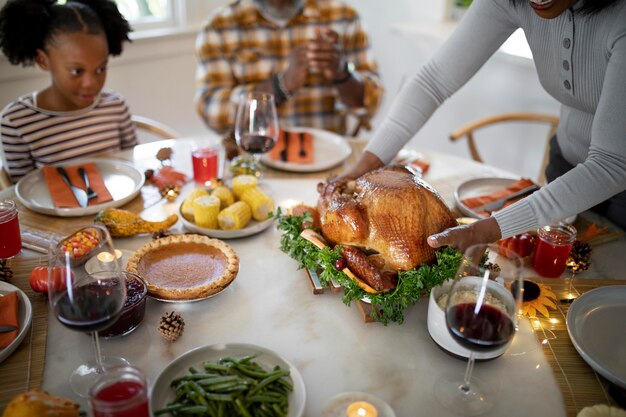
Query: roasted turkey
381,222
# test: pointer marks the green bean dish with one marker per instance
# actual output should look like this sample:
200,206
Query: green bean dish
232,386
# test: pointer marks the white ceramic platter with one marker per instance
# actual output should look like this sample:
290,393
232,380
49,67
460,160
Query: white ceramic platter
251,228
596,328
122,179
162,393
330,150
476,187
25,315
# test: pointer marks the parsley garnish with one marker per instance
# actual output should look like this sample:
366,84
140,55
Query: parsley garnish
390,306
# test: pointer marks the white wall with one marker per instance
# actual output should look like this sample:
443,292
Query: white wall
156,75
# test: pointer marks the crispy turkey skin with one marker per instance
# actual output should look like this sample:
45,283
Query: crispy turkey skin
387,214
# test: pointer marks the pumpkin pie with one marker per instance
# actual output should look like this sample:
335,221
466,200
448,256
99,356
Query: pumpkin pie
185,267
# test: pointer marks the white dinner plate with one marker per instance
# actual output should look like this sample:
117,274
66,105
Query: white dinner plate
595,322
24,318
476,187
162,393
330,149
122,179
251,228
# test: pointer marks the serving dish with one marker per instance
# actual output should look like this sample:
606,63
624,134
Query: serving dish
330,150
596,329
161,393
251,228
436,322
24,319
122,179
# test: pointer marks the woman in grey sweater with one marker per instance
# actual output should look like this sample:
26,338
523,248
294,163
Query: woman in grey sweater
579,49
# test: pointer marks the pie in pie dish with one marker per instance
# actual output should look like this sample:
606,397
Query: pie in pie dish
185,267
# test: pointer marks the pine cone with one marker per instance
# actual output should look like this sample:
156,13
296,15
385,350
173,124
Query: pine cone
5,271
579,257
171,325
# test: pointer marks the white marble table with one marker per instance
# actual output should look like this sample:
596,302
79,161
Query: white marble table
270,304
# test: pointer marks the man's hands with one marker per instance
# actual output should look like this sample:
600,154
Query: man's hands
322,54
295,76
325,54
461,237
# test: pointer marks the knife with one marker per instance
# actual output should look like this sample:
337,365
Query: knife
7,329
495,205
283,153
80,195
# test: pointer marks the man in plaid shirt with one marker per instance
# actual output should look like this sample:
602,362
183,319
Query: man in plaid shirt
313,55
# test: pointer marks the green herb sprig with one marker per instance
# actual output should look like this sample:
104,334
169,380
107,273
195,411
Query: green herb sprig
390,306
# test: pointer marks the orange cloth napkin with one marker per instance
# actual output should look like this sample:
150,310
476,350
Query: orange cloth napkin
61,194
496,195
293,148
8,317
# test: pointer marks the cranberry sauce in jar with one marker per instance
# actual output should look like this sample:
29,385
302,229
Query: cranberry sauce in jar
133,310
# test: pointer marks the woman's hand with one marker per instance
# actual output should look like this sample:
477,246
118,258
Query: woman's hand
368,162
462,237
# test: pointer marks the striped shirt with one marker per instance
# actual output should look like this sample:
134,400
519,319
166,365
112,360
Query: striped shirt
238,48
33,137
580,61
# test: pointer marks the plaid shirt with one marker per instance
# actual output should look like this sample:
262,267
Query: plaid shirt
238,48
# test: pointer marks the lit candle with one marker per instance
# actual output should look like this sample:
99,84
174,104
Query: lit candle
361,409
105,258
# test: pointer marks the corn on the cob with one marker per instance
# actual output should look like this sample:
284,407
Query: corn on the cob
205,211
236,216
225,195
242,183
260,203
186,208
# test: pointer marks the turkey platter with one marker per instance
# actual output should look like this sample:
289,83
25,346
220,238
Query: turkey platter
381,222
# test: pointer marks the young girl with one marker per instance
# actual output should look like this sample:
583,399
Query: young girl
72,117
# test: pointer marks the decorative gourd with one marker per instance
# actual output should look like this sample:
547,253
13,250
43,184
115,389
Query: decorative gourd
123,223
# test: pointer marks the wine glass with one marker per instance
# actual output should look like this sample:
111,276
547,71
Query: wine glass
86,290
256,124
482,311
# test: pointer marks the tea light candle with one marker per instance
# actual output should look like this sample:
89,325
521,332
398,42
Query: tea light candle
361,409
105,258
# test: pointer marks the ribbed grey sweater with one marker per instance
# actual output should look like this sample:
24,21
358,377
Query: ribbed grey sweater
581,62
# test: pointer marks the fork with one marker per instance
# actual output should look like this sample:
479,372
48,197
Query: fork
302,148
90,193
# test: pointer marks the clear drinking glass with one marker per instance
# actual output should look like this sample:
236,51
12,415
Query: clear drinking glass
256,124
120,392
482,311
86,301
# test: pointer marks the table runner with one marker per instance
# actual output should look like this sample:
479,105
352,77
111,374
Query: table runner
580,384
23,370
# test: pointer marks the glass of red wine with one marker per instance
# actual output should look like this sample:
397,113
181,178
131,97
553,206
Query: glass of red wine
86,291
482,311
256,124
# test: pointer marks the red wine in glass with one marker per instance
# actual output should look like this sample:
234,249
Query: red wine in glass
484,330
256,144
90,307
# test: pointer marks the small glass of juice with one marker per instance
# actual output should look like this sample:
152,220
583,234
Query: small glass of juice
552,248
120,392
11,242
205,162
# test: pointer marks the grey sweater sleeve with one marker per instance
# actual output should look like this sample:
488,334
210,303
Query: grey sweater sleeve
487,24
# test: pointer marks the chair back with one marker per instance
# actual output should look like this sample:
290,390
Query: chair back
154,128
469,130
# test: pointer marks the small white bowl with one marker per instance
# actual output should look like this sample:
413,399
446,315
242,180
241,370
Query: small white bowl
438,330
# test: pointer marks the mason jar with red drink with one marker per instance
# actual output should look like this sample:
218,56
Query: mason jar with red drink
552,249
11,242
120,392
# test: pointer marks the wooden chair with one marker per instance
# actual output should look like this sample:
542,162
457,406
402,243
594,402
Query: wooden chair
469,130
154,128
